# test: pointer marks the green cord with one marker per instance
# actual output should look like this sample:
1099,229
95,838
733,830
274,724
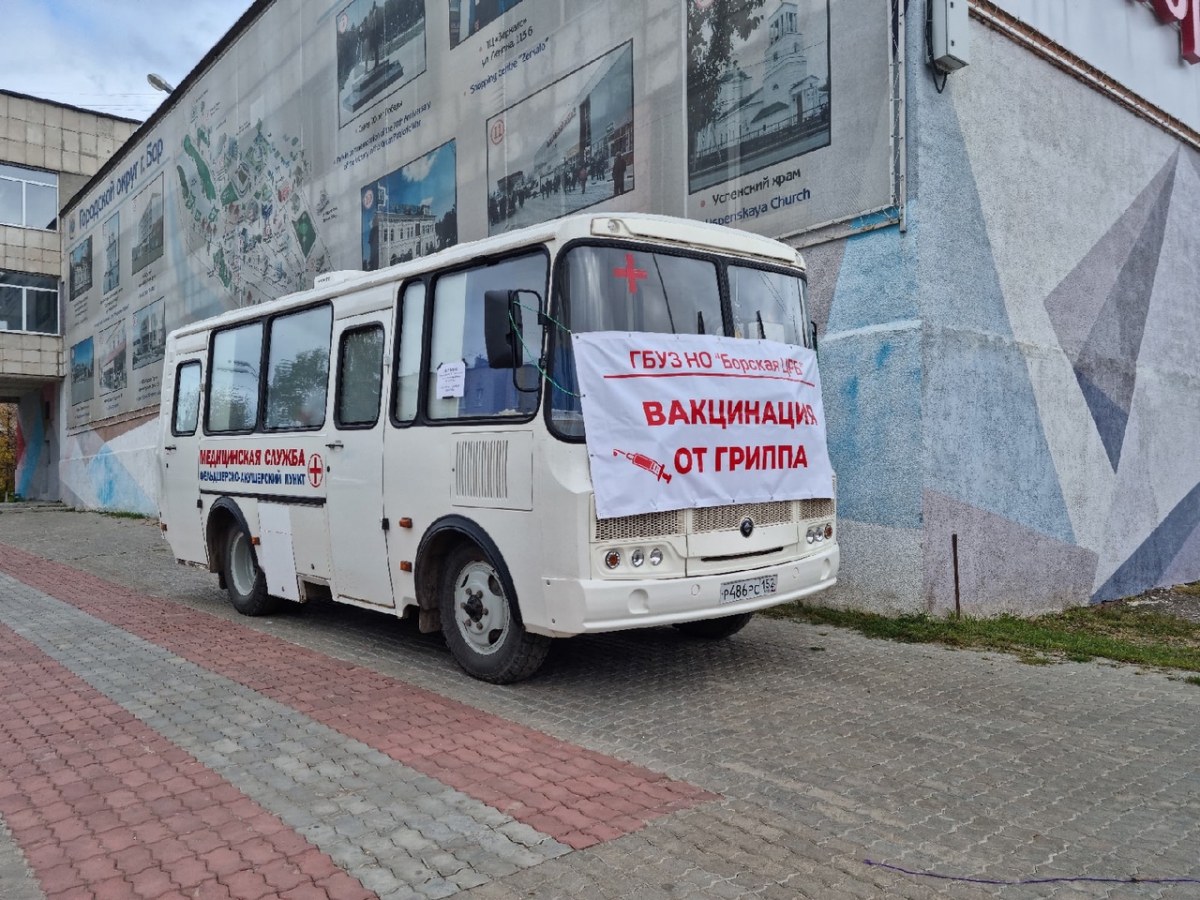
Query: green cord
520,337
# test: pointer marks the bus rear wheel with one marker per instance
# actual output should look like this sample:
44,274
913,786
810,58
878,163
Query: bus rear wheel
715,629
244,579
481,623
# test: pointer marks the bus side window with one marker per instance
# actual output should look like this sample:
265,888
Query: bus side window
298,369
233,378
408,365
360,378
458,338
187,399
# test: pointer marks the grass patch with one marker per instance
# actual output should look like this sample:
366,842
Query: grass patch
1121,633
1193,679
118,514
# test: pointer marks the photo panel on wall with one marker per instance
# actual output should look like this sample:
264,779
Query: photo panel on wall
566,147
412,211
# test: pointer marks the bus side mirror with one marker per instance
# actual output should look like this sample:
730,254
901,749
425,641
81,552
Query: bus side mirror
813,329
501,324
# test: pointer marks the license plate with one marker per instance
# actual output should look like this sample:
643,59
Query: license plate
750,589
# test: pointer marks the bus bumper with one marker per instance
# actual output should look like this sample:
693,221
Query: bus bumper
596,605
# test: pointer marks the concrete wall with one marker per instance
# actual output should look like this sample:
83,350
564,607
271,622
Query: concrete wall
112,466
58,138
74,143
1020,368
32,357
37,467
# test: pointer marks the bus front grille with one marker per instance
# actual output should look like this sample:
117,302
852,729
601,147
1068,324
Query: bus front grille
646,525
707,520
816,509
729,518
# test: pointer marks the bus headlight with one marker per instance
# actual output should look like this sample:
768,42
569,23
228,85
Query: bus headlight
829,531
656,556
811,535
637,558
612,559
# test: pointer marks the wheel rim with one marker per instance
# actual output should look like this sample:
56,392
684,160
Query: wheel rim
242,567
480,608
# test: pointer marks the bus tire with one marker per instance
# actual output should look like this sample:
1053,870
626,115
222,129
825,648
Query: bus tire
481,622
715,629
244,578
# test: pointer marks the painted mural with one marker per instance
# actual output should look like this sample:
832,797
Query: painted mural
1017,374
1014,374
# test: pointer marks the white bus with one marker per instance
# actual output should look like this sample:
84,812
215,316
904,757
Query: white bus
318,446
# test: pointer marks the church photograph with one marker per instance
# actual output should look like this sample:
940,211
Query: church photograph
758,86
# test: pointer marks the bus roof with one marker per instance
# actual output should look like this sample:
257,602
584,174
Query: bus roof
630,226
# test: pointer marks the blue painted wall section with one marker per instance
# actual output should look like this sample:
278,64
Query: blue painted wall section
115,487
871,378
1146,566
984,443
1107,362
29,417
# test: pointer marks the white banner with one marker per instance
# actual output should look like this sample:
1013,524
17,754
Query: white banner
678,421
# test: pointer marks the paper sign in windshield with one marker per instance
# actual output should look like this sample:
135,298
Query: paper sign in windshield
451,379
680,421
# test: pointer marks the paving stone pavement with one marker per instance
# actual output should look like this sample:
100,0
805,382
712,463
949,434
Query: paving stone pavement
333,790
818,748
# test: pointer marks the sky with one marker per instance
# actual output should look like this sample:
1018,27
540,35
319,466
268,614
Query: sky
97,53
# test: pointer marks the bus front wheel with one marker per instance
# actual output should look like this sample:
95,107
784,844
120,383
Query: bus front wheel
480,621
244,579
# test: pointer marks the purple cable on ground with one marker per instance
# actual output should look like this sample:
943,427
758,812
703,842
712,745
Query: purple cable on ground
1132,879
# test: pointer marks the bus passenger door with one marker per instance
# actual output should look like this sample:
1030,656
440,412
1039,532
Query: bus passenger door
354,456
179,489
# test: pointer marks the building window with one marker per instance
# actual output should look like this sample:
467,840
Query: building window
28,302
28,198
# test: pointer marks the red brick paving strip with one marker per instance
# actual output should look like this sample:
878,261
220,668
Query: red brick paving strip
574,795
105,808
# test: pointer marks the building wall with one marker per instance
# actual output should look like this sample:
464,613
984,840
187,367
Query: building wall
73,143
1016,369
1019,369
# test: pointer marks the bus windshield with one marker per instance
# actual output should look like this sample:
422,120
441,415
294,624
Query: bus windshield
618,289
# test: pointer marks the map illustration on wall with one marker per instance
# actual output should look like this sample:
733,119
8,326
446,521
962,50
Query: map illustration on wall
244,216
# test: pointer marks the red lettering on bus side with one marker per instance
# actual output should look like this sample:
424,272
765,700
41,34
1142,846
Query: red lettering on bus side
654,413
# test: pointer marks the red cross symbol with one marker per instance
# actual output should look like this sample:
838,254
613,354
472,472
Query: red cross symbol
316,470
629,273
